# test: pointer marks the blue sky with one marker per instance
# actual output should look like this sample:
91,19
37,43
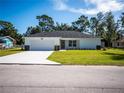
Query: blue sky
22,13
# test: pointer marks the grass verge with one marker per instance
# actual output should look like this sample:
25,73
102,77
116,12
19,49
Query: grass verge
9,51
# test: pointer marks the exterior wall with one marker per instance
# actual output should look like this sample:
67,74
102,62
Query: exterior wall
90,43
42,43
9,43
118,44
66,44
48,43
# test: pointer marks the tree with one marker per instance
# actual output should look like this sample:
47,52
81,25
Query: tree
97,25
32,30
7,29
82,24
104,26
122,23
110,29
45,22
101,25
63,27
94,25
120,26
122,19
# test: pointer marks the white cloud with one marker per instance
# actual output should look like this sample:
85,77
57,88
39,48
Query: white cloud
60,4
100,6
106,5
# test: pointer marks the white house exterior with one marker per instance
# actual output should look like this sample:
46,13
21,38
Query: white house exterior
119,43
63,39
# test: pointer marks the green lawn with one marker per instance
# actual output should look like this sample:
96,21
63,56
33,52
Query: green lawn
9,51
89,57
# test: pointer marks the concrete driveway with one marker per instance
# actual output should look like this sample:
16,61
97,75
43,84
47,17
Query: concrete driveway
28,57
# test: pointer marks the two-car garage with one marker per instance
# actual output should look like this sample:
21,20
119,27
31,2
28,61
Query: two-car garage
41,43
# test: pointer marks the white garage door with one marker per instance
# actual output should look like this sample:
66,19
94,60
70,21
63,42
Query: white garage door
38,44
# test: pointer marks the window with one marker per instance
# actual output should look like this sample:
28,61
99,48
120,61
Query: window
118,44
72,43
1,41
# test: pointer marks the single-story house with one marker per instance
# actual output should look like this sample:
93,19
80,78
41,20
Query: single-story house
63,39
6,42
119,43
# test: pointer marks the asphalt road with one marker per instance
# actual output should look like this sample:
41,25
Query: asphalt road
61,79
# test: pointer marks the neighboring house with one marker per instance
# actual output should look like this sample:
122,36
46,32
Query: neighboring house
119,43
6,42
63,39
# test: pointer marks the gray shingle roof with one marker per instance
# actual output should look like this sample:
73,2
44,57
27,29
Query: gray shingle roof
63,34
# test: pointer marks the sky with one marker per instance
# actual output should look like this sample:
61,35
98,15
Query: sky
22,13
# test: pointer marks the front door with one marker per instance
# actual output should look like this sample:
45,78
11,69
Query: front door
62,44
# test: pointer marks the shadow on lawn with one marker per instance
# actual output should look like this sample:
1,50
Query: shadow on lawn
115,56
16,50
